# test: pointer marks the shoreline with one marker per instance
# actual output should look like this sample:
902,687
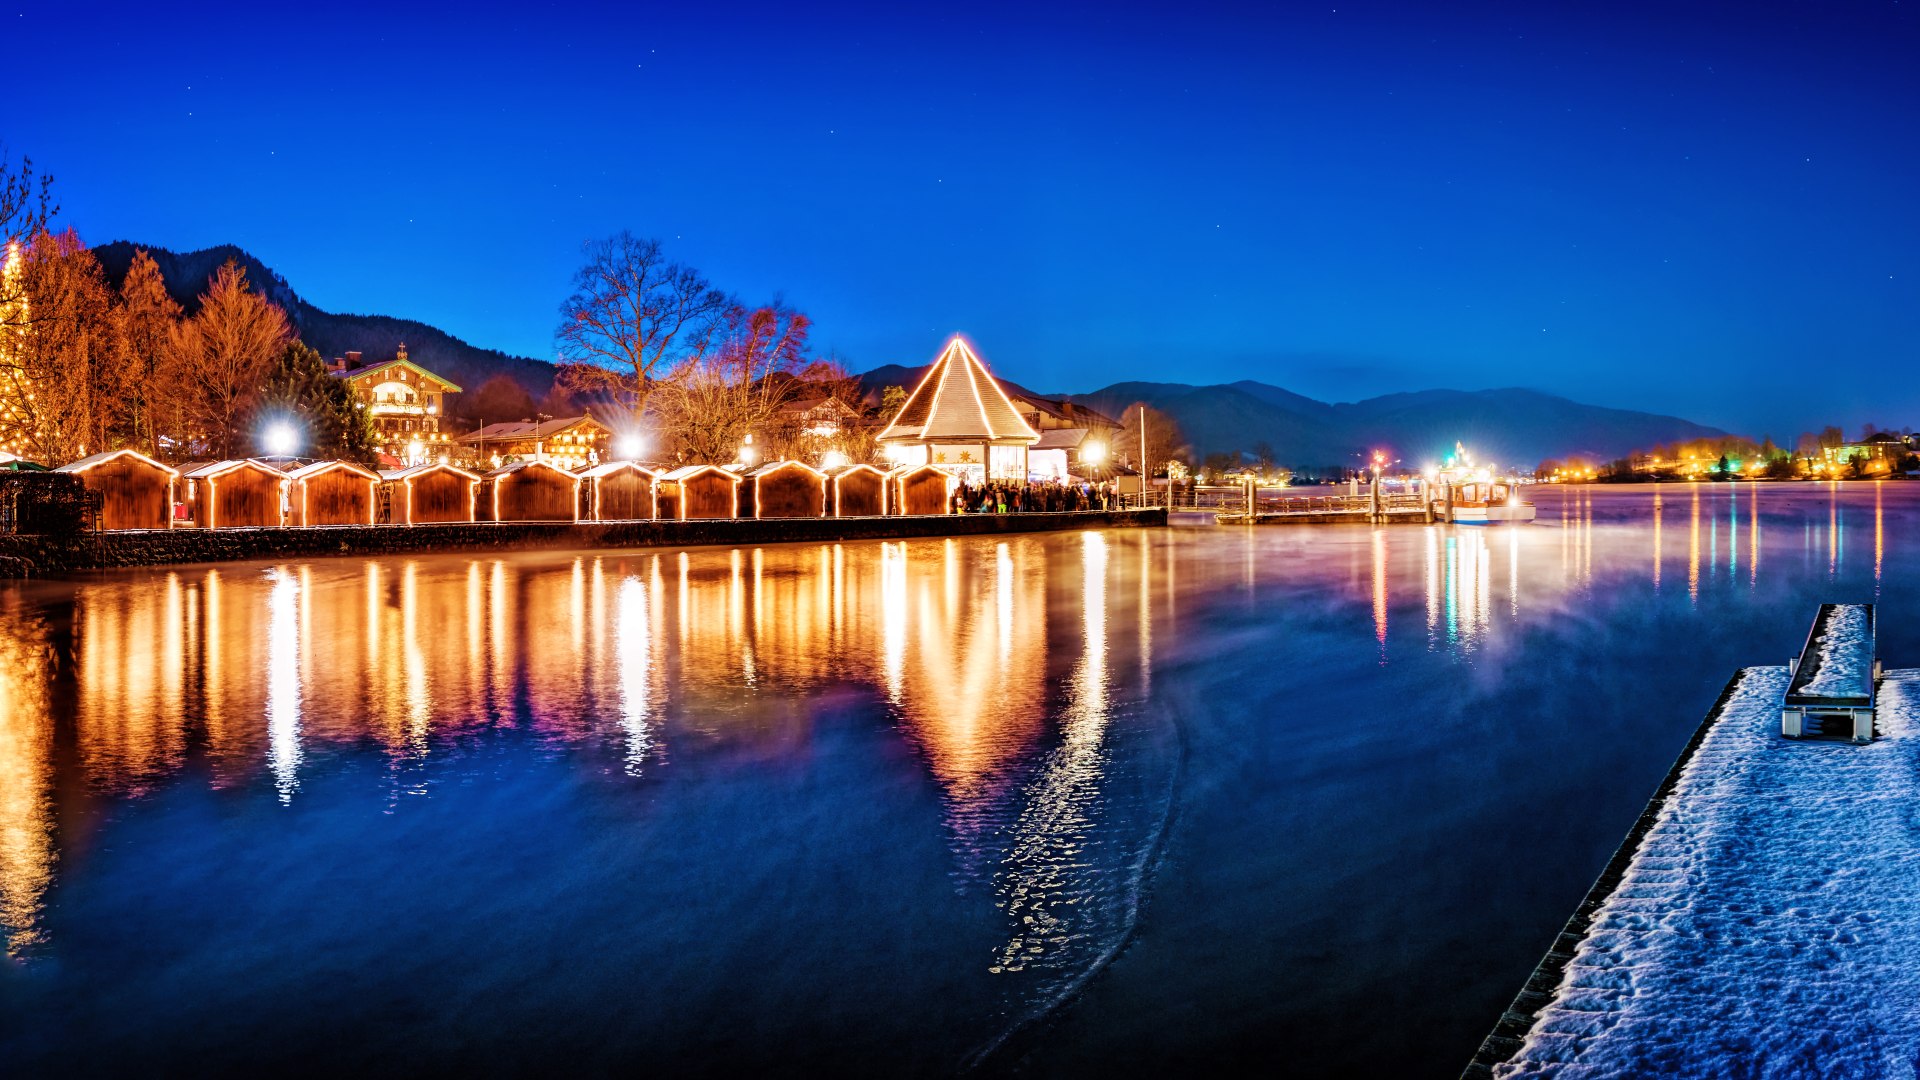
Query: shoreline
1537,992
41,556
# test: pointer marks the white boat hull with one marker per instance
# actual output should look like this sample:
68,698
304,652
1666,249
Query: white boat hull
1508,514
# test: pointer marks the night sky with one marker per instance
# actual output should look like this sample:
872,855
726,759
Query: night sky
1710,212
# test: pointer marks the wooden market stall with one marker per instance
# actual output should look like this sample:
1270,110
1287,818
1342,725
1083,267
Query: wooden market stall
859,491
705,491
430,494
619,491
785,489
534,491
136,492
920,489
332,493
238,493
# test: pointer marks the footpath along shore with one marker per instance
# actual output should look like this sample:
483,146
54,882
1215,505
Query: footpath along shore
38,556
1762,916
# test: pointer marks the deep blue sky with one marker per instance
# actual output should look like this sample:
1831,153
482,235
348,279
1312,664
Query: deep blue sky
1703,211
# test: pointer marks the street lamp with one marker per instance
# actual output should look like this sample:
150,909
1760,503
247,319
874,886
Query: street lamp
628,447
280,440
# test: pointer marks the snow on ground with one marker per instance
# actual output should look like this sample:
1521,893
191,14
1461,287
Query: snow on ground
1769,925
1846,655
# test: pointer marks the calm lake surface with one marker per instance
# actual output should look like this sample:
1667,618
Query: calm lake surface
1125,801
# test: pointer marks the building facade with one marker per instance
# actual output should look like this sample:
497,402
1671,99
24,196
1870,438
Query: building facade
959,419
570,442
405,404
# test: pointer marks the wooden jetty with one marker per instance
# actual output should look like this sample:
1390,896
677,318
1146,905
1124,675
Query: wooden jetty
1831,694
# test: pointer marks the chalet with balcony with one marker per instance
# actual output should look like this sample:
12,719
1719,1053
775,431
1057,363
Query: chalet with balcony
405,403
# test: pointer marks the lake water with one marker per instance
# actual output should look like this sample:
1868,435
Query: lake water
1120,801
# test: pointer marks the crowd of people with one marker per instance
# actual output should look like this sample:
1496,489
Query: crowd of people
1049,496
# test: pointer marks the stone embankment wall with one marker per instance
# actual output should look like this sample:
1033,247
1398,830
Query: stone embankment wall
33,556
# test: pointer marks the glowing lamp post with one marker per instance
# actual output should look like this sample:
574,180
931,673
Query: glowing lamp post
628,447
833,459
280,440
747,452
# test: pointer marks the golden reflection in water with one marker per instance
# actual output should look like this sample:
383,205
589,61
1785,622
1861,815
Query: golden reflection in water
1380,591
26,773
1753,539
284,651
1460,584
1833,527
1693,550
132,671
1433,586
1658,502
1036,885
1879,535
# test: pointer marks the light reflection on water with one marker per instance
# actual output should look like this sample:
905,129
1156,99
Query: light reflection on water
1042,688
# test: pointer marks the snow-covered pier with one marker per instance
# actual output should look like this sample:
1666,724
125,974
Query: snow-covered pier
1763,919
1831,694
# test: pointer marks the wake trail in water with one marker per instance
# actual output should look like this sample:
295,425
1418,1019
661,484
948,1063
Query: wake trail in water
1048,868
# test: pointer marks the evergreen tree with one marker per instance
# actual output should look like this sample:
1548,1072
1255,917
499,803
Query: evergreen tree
299,390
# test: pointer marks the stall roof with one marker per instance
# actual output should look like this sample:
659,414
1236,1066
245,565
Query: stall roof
687,472
89,462
608,468
315,468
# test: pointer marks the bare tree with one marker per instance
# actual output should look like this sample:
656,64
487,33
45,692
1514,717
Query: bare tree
734,381
219,359
631,320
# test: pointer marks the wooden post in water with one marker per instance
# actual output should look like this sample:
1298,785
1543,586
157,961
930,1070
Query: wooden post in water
1448,506
1253,501
1374,512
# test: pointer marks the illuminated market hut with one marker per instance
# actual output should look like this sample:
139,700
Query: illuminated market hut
619,491
920,489
784,489
136,492
534,491
238,493
960,419
705,491
858,491
430,494
332,493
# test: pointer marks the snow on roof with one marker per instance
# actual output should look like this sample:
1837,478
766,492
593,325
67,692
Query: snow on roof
1768,924
608,468
529,463
776,466
398,361
207,469
315,468
90,461
416,470
527,429
686,472
1061,439
957,400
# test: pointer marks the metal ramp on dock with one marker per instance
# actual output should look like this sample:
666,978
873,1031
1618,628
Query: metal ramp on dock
1831,693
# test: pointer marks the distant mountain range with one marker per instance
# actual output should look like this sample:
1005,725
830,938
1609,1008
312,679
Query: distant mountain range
332,334
1512,426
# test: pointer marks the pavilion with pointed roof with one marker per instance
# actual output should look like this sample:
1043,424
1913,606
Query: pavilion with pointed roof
959,419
